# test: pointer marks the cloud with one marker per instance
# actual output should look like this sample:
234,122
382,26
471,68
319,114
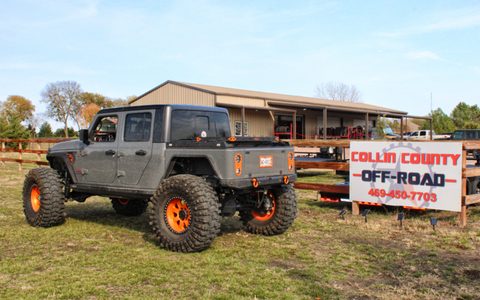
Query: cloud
61,68
459,19
422,55
47,14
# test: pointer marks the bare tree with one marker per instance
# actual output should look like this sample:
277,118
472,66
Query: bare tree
338,91
63,101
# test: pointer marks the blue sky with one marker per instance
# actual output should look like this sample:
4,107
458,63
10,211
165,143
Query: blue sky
395,52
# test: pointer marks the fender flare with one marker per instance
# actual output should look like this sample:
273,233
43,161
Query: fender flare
174,159
52,158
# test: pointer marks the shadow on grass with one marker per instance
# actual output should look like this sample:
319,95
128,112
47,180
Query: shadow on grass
102,213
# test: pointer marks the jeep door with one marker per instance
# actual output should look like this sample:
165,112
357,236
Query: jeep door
135,146
97,163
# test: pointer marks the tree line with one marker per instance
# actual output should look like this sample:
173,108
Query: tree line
463,116
66,102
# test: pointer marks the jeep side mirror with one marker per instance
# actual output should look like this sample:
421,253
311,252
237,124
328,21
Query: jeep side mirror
83,136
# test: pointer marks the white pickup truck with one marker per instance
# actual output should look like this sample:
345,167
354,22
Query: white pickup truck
425,135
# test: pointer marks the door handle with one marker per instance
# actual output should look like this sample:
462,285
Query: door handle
141,152
110,152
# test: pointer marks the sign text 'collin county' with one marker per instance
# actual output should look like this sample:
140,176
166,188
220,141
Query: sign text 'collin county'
406,174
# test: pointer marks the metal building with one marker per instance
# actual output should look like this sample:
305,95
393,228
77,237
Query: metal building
267,114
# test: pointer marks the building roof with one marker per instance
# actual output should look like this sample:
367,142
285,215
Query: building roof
291,101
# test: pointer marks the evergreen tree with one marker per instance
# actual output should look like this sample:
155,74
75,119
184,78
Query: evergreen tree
379,130
441,122
45,130
464,113
471,125
61,132
3,127
14,130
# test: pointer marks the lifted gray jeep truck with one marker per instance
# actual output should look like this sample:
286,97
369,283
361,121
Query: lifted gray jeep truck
181,158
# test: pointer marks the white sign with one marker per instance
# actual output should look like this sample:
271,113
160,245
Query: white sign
425,175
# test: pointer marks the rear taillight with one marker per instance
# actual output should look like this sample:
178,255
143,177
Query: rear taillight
238,164
291,160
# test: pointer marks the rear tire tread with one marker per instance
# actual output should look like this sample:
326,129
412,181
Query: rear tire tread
204,210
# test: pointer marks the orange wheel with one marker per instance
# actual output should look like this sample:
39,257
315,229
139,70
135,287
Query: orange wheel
123,201
178,215
35,198
268,214
275,215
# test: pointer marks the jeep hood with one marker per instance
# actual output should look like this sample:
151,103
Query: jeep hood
66,146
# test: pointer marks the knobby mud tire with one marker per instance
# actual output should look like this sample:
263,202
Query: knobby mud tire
286,207
200,215
43,198
129,207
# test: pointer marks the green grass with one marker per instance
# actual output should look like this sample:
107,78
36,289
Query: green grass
97,254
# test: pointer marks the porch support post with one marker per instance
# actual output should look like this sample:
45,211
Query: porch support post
401,127
431,129
325,123
295,125
243,121
366,127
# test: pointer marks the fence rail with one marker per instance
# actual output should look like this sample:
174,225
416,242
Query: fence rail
37,140
466,172
20,150
322,165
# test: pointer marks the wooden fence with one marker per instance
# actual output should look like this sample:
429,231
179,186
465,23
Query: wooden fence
466,172
472,171
33,143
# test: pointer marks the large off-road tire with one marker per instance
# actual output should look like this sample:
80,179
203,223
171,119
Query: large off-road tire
185,214
129,207
279,218
43,198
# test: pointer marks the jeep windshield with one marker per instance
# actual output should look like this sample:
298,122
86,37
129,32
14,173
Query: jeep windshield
190,124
